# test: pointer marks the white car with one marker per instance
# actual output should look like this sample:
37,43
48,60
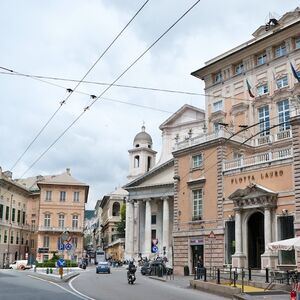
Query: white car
19,265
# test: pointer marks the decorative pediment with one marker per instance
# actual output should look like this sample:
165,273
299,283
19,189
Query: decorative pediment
253,195
239,108
220,114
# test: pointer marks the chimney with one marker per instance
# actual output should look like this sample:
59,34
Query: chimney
68,170
8,174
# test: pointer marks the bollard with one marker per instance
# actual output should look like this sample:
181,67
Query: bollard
267,275
195,274
287,277
230,273
243,275
61,272
249,270
204,274
234,278
47,271
218,276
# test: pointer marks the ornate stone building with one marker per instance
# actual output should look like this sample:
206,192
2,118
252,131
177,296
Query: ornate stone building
237,186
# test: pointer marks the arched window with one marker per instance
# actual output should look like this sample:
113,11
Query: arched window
136,161
116,209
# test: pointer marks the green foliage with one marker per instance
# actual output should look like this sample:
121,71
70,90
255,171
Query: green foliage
121,225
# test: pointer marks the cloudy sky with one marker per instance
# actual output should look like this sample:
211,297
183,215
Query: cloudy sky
63,38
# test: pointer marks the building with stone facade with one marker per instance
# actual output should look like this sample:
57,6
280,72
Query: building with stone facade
237,186
113,241
149,206
35,211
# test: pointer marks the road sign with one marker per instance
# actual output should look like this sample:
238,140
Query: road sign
61,262
68,246
61,246
212,235
154,249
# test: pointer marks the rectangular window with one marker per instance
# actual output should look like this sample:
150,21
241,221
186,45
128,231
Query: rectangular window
153,219
217,126
11,237
46,242
264,119
7,213
1,211
62,197
5,236
197,161
45,257
31,243
217,106
13,215
280,50
24,217
282,82
239,68
47,220
286,231
19,216
297,43
17,238
48,195
283,114
262,89
75,242
76,197
75,221
218,77
261,59
197,204
61,221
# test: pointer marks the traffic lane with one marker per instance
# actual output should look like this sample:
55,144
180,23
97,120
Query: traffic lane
16,285
114,286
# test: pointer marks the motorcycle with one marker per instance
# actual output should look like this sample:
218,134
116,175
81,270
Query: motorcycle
131,278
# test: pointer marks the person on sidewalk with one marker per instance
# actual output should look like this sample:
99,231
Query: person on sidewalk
199,267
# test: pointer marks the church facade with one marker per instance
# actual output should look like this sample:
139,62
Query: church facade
150,202
237,187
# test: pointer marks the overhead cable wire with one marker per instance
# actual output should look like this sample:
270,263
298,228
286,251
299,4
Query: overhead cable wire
110,85
71,91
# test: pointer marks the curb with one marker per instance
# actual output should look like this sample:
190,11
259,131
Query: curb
157,278
55,279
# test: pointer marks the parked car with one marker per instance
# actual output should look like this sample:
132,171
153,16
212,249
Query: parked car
20,265
103,267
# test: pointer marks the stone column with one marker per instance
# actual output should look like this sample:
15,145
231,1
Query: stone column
129,230
268,259
148,228
166,224
238,258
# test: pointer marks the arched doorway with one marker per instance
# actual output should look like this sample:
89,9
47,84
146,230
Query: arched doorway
256,240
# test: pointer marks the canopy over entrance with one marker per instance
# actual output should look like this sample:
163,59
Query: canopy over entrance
289,244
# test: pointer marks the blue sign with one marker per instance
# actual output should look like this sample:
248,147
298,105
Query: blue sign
154,249
68,246
61,246
61,262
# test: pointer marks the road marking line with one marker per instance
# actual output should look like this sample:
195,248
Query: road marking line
79,295
71,286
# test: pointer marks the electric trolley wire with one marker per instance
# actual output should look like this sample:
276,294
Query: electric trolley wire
110,85
104,83
71,91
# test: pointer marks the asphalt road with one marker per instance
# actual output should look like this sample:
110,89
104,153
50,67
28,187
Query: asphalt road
114,286
17,285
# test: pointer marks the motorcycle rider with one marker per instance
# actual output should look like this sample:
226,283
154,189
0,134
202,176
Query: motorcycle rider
131,269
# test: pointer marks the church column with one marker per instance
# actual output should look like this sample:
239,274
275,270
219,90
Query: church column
129,230
166,224
148,228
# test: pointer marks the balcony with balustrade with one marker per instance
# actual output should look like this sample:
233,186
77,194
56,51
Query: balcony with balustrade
59,229
272,156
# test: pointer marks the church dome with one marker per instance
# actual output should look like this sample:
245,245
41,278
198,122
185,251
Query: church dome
142,138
